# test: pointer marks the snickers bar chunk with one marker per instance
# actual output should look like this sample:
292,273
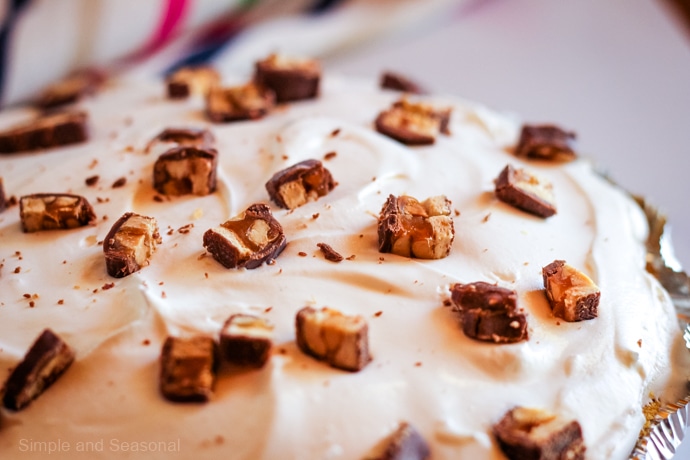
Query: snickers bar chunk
546,142
248,102
328,335
303,182
45,131
525,191
409,228
191,80
572,295
71,89
130,243
246,340
405,444
489,313
53,211
533,434
413,123
290,79
185,171
188,369
397,82
182,137
46,360
247,240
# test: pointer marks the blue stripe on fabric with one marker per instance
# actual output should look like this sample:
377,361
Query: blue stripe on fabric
321,6
14,9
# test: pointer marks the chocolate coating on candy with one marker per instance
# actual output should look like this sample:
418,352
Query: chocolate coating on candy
525,191
45,131
71,89
248,102
54,211
188,369
245,340
489,313
534,434
305,181
191,80
185,171
46,360
572,295
130,244
413,123
547,142
290,79
247,240
397,82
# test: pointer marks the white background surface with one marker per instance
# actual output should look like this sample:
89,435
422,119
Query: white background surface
616,71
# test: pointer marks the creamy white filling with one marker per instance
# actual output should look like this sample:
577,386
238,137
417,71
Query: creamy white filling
424,370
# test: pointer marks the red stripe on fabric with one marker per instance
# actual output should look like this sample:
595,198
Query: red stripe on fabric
172,17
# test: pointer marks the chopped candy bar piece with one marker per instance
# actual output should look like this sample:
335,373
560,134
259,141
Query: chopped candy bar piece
186,170
294,186
45,131
290,79
405,444
546,142
397,82
328,335
72,88
46,360
247,102
247,240
188,369
413,123
191,80
52,211
533,434
246,340
130,243
489,312
572,294
525,191
409,228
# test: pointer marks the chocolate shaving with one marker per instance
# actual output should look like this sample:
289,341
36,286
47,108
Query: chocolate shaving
329,253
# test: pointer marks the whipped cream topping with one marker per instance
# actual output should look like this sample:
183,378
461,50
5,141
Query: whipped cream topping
424,370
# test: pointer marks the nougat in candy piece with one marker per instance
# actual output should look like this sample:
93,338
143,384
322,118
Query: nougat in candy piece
534,434
188,369
328,335
410,228
54,211
46,360
186,171
247,102
291,79
247,240
130,244
305,181
546,142
525,191
413,123
46,131
572,295
187,81
246,340
489,312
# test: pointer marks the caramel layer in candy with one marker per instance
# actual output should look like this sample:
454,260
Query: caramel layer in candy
247,102
191,80
246,340
130,244
290,79
46,360
525,191
303,182
328,335
247,240
533,434
405,444
54,211
489,313
185,171
546,142
71,89
398,82
182,137
188,369
45,131
409,228
413,123
572,295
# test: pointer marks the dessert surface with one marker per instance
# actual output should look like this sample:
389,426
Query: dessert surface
423,369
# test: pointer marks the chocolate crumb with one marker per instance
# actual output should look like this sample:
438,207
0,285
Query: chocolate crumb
447,303
205,274
120,182
18,269
302,254
315,215
27,296
329,155
418,364
163,295
378,313
107,286
92,180
146,342
32,304
639,343
170,232
158,198
335,132
486,217
61,302
185,228
352,257
329,253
